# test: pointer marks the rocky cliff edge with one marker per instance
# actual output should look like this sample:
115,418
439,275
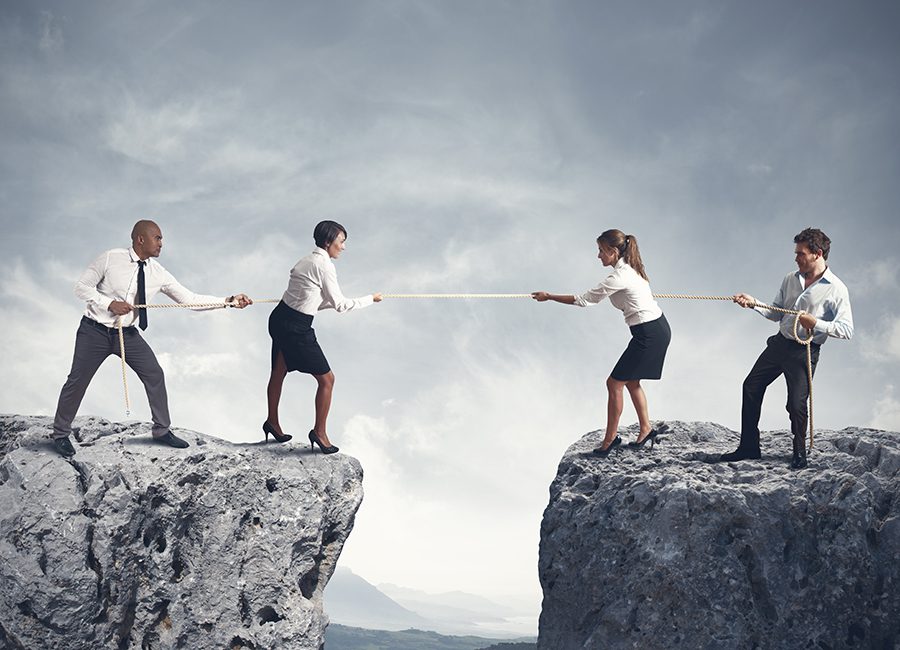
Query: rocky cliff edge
134,545
659,549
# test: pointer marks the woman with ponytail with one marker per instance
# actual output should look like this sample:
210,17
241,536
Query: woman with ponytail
628,289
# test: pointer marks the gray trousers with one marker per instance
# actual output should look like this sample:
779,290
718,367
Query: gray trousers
93,344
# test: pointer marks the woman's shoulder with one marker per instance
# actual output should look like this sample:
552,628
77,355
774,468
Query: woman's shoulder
631,277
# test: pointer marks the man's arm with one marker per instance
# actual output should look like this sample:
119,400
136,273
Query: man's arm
182,295
86,287
749,302
841,326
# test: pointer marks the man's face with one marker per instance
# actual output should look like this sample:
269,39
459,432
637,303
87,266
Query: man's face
149,244
805,258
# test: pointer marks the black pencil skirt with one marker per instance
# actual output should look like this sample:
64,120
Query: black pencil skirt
292,335
646,352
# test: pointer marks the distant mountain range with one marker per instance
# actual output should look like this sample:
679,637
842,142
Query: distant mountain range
340,637
352,601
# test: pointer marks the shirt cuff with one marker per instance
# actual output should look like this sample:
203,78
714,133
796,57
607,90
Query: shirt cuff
104,302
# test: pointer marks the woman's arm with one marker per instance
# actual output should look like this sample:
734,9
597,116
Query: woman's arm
543,296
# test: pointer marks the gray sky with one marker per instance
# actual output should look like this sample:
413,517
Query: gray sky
467,147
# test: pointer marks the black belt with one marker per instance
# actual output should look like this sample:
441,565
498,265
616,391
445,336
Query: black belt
114,331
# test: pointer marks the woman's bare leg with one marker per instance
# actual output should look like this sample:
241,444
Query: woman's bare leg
613,409
639,399
323,405
273,391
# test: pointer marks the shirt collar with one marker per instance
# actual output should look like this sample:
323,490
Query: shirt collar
620,263
320,251
134,256
827,276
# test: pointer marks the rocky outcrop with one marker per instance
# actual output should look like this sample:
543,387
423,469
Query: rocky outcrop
134,545
658,549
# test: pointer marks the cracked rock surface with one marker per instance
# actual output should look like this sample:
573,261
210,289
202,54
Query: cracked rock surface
659,549
130,544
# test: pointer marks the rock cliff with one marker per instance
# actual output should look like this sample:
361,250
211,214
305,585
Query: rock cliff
658,549
134,545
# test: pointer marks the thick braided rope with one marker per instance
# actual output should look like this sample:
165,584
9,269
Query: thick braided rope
677,296
122,354
456,295
805,342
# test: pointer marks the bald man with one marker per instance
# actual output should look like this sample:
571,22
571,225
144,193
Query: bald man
114,282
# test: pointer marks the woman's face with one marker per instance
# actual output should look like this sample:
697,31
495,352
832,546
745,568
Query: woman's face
608,255
337,246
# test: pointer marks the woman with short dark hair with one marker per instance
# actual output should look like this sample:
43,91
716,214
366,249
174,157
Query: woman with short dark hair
628,289
312,287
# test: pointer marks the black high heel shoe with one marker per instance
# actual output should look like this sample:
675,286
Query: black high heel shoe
279,437
603,453
662,428
314,440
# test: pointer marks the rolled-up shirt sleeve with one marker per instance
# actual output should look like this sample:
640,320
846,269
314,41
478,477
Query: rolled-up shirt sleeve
592,296
86,287
333,297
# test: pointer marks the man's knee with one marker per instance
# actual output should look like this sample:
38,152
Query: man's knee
751,389
796,407
151,372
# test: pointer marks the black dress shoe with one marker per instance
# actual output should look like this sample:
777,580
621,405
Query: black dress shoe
740,454
603,453
798,461
173,441
64,447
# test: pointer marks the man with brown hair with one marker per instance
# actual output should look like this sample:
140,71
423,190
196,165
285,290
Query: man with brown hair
825,301
114,282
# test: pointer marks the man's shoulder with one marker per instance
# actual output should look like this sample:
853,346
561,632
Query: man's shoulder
113,255
155,266
835,280
789,276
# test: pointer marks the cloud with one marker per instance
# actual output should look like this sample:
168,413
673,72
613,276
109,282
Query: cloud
51,40
154,136
886,414
881,344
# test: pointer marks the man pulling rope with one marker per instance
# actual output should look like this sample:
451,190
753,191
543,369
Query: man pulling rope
111,285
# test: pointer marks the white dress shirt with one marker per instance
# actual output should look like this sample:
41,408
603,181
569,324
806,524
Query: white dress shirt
628,292
113,276
313,286
827,299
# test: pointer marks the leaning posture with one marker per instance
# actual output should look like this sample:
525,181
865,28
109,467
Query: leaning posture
628,290
813,289
111,285
313,286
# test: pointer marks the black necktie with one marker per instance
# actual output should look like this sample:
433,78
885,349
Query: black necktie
141,297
